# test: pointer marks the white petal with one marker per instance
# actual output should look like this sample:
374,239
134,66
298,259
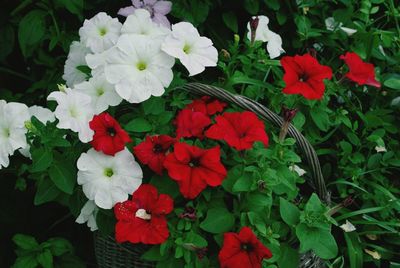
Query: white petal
348,227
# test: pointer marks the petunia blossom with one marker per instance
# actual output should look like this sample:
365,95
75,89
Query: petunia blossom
207,105
242,250
138,68
103,94
238,130
264,34
190,123
194,51
100,32
194,168
108,137
106,179
13,116
73,68
157,9
74,111
305,76
152,151
88,214
140,23
361,72
143,219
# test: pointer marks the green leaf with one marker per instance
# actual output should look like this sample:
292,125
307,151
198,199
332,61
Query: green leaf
195,239
320,118
63,174
31,30
42,159
289,212
153,254
45,259
73,6
26,261
242,184
154,105
289,258
218,220
6,41
105,221
138,125
319,240
46,192
354,249
84,69
230,21
59,246
252,6
26,242
392,81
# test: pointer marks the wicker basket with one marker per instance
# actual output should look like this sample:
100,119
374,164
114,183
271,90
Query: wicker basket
110,254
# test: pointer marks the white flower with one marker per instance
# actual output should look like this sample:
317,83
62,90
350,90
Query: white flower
44,115
102,93
96,62
88,214
332,25
298,170
76,58
100,32
140,23
138,68
348,227
264,34
12,129
107,179
74,111
194,51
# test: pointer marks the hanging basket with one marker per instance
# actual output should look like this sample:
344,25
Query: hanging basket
110,254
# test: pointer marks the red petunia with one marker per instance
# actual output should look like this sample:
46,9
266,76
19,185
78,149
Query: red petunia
239,130
242,250
194,168
359,71
207,105
191,123
108,136
152,151
142,219
304,75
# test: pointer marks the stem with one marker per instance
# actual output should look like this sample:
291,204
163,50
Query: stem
55,23
392,8
9,71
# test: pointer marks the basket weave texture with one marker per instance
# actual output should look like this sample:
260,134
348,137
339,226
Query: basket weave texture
110,254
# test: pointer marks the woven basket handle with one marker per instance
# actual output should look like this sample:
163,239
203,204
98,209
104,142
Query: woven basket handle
317,178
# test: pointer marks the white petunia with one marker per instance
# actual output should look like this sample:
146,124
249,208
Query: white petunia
194,51
96,62
298,170
44,115
140,23
107,179
74,111
103,94
138,68
76,59
12,129
380,149
332,25
264,34
88,214
100,32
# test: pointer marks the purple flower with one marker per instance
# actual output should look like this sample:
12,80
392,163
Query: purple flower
157,10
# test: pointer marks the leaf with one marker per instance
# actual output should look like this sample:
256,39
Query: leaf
26,261
42,159
45,259
154,105
218,220
59,246
392,81
6,41
319,240
31,30
195,239
289,212
64,176
138,125
26,242
242,184
252,6
320,118
230,21
153,254
73,6
289,258
354,250
46,192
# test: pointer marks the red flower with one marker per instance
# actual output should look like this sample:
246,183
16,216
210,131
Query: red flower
207,105
142,219
152,151
239,130
305,76
242,250
359,71
108,136
191,123
194,168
